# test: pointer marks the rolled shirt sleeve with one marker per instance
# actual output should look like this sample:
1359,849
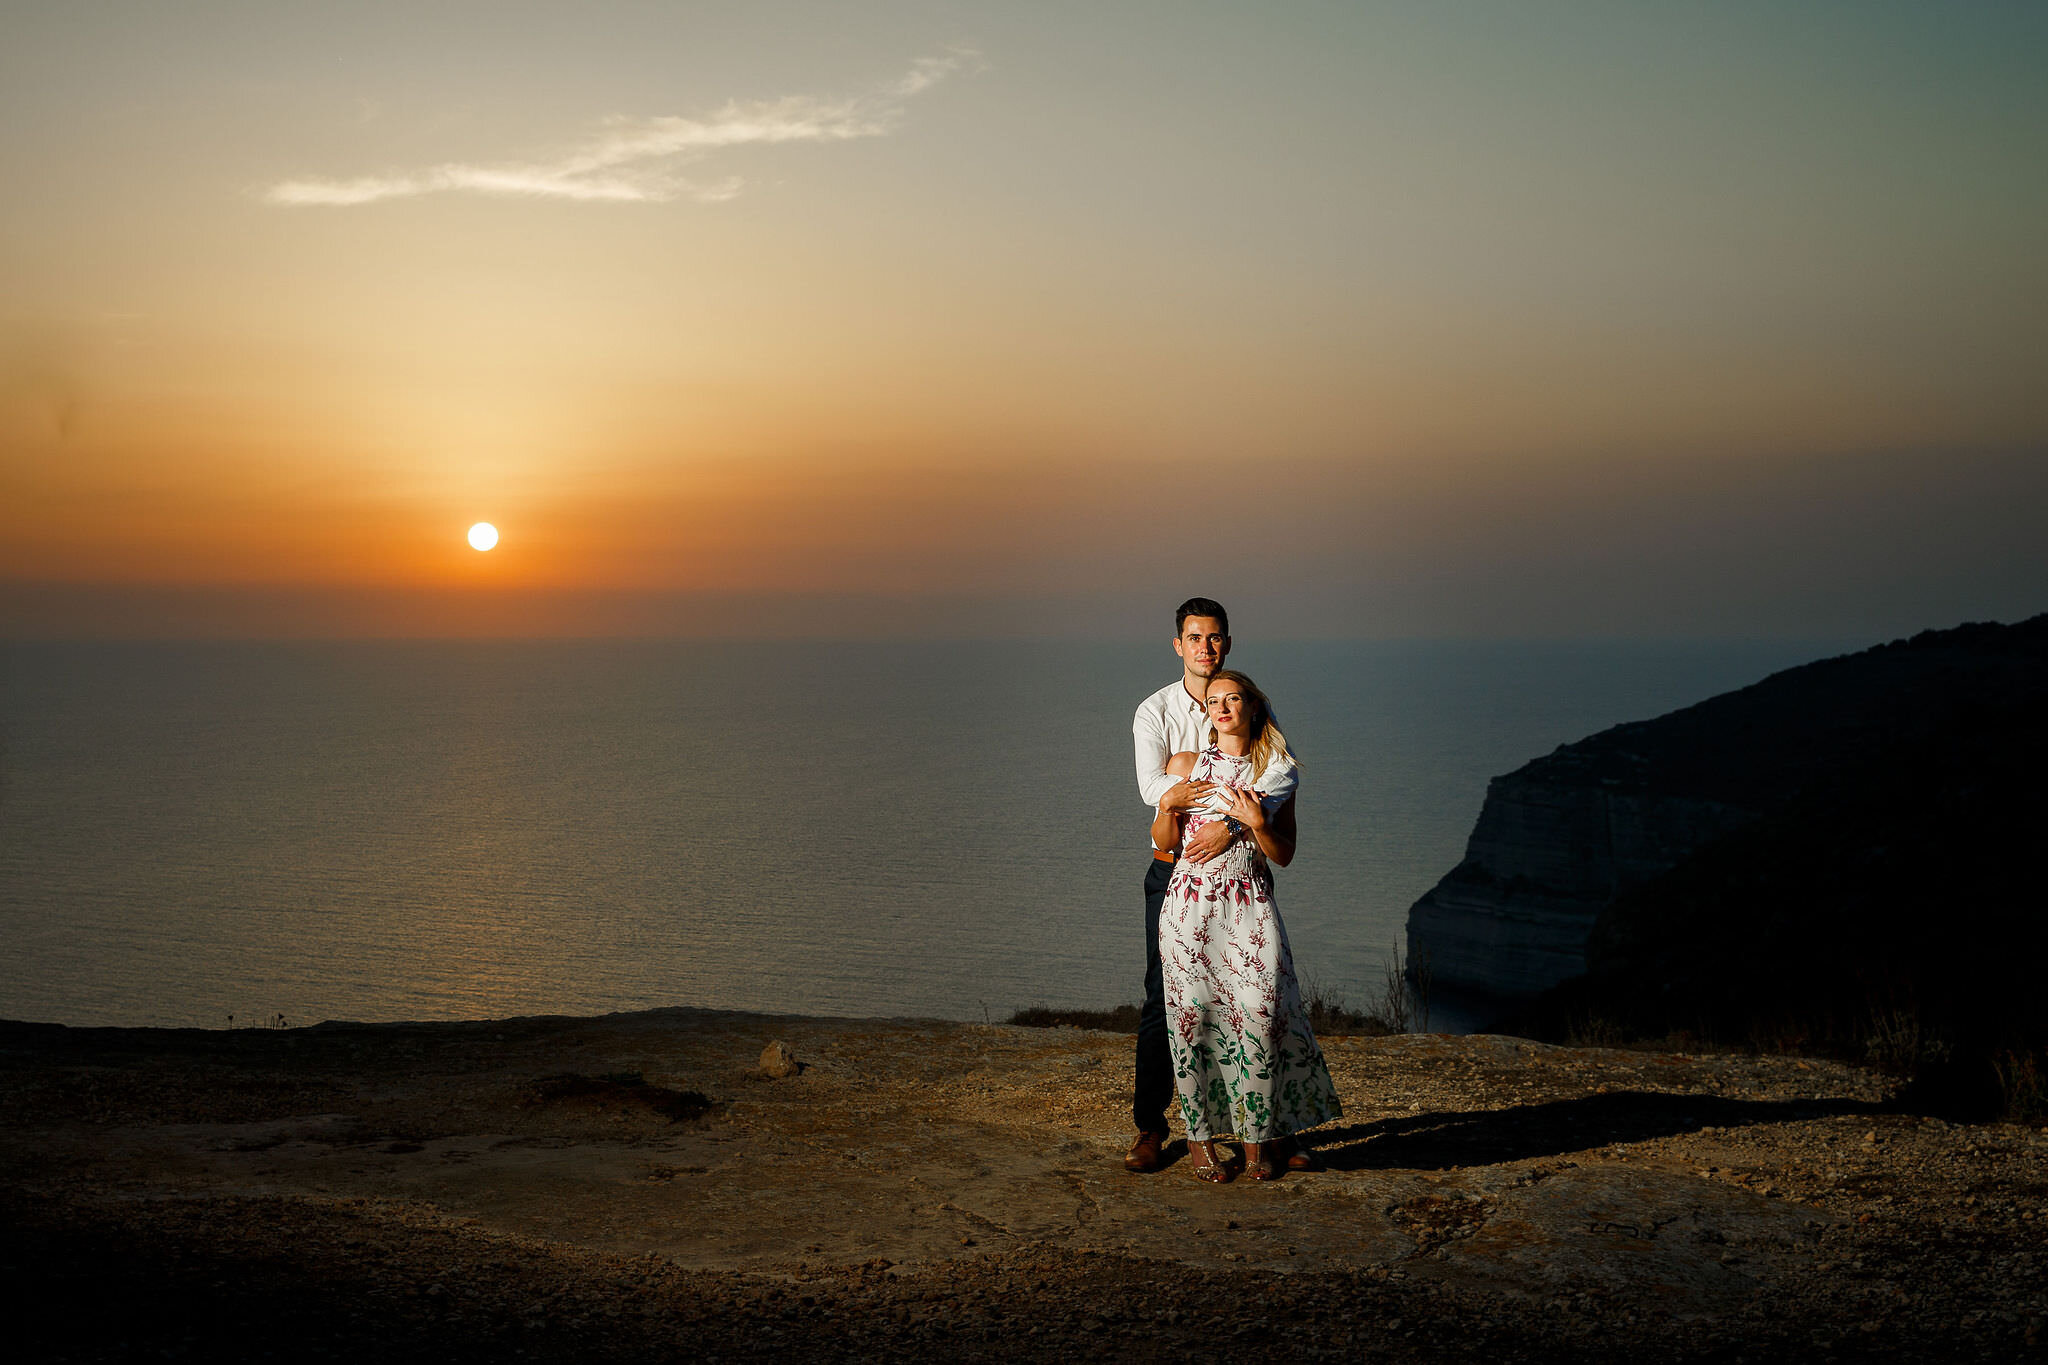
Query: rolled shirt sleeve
1149,738
1277,784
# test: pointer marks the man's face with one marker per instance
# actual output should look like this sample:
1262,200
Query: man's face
1202,645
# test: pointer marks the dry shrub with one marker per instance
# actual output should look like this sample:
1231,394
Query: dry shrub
2023,1085
1329,1013
1122,1019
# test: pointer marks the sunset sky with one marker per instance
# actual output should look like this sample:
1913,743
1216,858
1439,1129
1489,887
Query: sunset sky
952,318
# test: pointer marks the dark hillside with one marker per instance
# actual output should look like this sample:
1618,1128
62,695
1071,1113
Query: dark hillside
1806,728
1887,900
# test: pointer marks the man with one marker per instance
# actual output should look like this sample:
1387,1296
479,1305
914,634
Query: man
1168,722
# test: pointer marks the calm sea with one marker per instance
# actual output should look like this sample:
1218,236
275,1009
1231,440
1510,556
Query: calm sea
384,831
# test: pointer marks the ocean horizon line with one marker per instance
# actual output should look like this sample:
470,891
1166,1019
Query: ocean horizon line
64,611
1244,642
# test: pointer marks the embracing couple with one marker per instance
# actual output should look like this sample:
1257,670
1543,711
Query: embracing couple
1223,1030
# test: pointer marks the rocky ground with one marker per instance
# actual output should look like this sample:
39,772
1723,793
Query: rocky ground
636,1188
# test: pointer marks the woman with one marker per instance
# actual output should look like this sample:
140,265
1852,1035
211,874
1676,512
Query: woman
1245,1060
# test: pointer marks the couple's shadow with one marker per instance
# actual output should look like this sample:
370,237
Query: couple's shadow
1484,1137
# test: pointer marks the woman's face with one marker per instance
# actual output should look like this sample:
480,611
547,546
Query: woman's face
1230,710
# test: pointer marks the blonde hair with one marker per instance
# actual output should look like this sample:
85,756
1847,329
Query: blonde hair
1268,746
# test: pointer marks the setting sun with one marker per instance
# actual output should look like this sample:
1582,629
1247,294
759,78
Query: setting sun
482,536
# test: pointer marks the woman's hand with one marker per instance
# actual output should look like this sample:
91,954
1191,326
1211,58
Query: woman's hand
1245,809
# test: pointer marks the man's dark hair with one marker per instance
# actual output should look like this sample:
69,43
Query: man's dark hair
1201,606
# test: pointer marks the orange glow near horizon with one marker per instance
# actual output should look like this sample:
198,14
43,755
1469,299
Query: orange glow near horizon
943,323
106,482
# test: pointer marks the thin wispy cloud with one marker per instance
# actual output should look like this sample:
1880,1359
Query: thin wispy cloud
643,160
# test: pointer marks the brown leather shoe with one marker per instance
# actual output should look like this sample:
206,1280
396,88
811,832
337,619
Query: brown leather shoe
1145,1153
1300,1158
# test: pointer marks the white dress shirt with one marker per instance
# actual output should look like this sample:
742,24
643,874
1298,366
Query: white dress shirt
1171,722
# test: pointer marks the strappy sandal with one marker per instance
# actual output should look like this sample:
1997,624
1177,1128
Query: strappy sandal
1206,1166
1272,1162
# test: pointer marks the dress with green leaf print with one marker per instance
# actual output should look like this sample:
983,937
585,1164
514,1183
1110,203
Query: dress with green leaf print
1245,1061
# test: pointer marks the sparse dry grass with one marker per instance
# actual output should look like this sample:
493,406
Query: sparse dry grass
1121,1019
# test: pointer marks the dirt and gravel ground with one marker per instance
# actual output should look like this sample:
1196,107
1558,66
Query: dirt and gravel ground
634,1188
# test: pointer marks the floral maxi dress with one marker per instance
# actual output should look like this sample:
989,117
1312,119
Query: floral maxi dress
1245,1061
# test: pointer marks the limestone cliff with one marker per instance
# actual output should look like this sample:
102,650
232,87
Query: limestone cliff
1548,855
1561,839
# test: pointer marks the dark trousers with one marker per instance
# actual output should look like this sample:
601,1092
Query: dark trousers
1155,1062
